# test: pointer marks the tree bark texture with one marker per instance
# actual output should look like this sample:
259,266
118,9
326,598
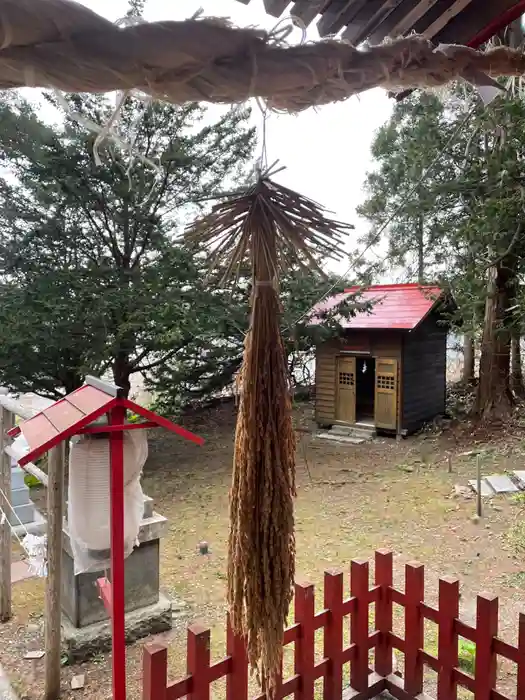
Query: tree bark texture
494,399
516,373
469,358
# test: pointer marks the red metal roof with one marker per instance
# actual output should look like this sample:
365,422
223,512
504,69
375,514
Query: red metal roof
68,416
395,306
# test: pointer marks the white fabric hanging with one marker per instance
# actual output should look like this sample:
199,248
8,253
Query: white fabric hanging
89,499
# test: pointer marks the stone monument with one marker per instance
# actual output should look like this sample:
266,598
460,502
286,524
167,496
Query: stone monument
85,623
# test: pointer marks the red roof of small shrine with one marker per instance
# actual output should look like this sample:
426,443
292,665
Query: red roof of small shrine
395,306
68,416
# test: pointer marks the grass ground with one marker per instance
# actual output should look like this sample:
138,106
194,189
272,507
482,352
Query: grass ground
351,501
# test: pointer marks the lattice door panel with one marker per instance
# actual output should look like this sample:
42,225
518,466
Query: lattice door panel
385,410
345,399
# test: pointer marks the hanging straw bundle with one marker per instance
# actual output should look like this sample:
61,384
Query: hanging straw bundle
273,227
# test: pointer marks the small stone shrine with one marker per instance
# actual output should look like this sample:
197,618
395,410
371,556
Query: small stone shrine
86,626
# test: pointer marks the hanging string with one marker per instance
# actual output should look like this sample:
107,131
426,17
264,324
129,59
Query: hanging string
35,546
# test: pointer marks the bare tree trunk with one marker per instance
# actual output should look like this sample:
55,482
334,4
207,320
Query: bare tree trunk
420,251
494,399
516,373
468,359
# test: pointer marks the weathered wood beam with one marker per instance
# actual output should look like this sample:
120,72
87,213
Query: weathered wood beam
307,10
356,33
55,516
332,20
436,26
408,21
275,8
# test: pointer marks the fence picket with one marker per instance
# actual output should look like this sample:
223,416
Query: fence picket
237,679
301,685
359,625
333,635
384,620
154,672
305,645
447,637
198,661
520,681
486,659
414,627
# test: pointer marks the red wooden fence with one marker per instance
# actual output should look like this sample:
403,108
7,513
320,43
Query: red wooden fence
366,633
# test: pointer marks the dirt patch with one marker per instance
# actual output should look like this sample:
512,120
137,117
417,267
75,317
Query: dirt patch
351,501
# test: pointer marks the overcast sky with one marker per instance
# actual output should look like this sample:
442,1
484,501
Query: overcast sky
325,150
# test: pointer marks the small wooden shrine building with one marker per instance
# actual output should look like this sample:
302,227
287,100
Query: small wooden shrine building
388,369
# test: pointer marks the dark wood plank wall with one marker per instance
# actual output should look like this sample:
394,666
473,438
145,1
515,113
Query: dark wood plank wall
424,373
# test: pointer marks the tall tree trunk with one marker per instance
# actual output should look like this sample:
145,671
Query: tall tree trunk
494,399
420,250
122,372
516,374
469,358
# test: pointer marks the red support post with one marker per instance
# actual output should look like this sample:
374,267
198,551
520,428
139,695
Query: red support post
414,627
359,625
520,681
118,637
333,634
304,652
447,638
198,660
384,620
154,672
486,659
237,679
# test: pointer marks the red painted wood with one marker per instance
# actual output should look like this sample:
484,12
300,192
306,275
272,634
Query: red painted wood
198,660
497,24
163,422
359,625
333,634
486,659
104,589
447,637
520,682
38,430
118,640
154,672
383,618
414,627
91,429
88,399
63,415
237,679
304,652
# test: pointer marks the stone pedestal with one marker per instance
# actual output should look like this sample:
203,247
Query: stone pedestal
22,504
86,628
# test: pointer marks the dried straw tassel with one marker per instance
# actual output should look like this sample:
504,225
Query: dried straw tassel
261,561
272,227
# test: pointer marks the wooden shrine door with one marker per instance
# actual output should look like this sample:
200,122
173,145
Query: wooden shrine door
345,379
385,411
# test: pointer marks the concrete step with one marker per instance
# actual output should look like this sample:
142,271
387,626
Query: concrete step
364,432
338,437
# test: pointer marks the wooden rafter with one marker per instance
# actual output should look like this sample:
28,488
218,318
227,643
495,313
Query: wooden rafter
406,22
454,10
308,11
334,19
356,33
275,8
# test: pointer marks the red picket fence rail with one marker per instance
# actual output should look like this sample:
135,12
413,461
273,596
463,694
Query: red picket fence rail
364,682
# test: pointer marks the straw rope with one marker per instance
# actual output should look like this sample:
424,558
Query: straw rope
60,44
